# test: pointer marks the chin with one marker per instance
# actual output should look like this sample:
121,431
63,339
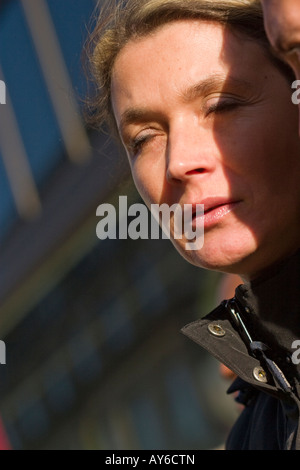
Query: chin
230,258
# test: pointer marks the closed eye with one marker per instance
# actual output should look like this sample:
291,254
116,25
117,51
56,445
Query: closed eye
136,144
222,106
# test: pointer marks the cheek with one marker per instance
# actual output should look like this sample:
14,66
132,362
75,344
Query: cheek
259,154
149,179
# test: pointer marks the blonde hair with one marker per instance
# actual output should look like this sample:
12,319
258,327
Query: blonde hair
122,21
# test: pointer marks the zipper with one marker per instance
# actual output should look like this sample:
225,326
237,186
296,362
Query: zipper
256,348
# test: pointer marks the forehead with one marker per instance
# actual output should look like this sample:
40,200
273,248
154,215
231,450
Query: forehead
168,45
170,42
178,55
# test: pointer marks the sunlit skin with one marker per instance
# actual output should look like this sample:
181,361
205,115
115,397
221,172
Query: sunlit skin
282,25
206,117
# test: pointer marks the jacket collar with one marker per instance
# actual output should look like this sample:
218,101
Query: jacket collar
269,308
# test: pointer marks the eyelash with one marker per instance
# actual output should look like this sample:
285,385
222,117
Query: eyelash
221,107
136,144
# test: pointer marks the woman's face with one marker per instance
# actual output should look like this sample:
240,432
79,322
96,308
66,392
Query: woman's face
207,119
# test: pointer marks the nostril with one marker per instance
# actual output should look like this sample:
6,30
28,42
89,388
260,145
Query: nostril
196,171
176,176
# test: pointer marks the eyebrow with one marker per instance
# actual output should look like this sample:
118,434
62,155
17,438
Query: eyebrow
203,88
134,115
212,83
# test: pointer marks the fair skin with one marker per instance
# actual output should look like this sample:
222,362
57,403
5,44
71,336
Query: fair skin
205,118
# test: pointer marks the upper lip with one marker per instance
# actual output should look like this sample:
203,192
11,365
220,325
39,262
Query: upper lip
211,203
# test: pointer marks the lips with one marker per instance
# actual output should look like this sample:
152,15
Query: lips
212,203
215,208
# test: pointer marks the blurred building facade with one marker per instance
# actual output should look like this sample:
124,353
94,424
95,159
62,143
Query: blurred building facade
94,354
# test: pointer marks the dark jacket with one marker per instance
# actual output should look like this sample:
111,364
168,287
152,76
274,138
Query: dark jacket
253,334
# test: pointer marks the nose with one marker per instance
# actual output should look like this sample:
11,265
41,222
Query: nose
189,154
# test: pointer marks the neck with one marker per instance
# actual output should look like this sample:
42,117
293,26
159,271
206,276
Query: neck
274,300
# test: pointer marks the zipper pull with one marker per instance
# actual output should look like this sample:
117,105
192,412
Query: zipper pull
257,348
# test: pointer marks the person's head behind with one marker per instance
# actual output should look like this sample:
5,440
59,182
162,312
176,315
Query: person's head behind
204,111
282,25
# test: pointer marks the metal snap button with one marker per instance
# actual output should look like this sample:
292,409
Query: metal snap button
260,374
216,329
